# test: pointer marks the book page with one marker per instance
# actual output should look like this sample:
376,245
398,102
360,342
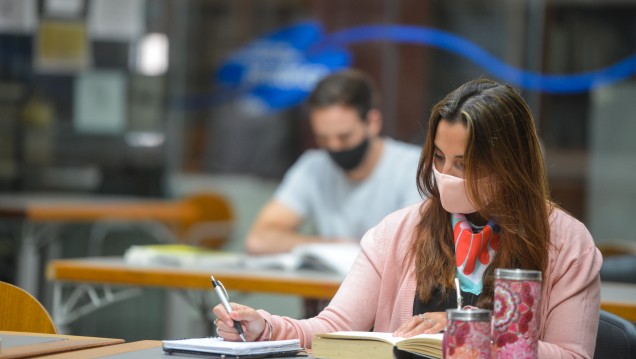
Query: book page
284,261
220,346
379,336
332,257
181,255
425,344
433,340
328,257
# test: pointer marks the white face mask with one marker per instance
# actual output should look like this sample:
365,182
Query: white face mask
452,193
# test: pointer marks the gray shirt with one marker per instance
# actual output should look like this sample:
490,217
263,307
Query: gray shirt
318,190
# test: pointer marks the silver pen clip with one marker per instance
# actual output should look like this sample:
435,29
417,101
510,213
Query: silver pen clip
227,296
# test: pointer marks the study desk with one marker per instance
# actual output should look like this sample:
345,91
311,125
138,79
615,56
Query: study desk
42,215
96,277
147,349
25,345
87,275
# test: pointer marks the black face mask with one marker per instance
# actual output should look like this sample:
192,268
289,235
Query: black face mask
351,158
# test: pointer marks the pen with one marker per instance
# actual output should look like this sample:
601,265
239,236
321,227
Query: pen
459,293
223,297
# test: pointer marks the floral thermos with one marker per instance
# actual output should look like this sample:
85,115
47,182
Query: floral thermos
467,334
516,313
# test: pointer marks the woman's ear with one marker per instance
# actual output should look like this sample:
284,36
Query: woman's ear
374,121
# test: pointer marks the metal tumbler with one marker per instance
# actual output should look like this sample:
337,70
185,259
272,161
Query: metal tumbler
516,313
467,334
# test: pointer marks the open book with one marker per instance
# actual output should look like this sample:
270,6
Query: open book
217,346
374,345
329,257
180,255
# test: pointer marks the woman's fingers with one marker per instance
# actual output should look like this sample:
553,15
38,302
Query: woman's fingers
250,320
427,323
244,313
407,326
222,315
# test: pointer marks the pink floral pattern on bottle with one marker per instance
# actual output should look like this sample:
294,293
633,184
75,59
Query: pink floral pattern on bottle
515,319
468,340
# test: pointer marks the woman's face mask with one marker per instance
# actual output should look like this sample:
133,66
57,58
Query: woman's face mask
453,194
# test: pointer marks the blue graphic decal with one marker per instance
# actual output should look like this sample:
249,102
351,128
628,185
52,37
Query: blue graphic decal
460,46
280,69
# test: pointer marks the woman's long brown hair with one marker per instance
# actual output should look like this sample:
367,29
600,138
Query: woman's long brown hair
502,147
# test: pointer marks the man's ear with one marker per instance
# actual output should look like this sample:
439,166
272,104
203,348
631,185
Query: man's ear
374,121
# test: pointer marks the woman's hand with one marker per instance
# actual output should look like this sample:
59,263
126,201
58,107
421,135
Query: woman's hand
251,321
427,323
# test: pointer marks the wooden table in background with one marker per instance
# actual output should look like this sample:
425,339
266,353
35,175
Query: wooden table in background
619,299
41,216
115,271
59,344
102,279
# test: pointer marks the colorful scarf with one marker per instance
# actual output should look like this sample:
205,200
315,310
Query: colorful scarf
475,248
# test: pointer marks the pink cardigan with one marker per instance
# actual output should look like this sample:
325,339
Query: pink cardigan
379,290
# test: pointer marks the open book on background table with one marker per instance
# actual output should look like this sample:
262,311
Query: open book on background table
374,345
180,255
329,257
217,346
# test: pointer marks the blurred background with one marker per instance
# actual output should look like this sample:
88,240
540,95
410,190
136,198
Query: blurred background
164,98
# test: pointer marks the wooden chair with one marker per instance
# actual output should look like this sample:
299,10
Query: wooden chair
212,225
21,312
209,224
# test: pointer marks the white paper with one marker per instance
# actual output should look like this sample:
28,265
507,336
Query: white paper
17,16
218,345
63,8
327,257
116,19
334,257
100,102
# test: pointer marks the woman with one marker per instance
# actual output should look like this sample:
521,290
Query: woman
482,170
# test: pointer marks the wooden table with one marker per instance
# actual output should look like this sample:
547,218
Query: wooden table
140,348
115,271
24,345
41,216
147,349
103,277
616,298
620,299
80,208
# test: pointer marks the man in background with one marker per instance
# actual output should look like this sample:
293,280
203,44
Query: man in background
348,185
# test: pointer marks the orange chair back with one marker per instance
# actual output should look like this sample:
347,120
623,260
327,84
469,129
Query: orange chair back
212,223
21,312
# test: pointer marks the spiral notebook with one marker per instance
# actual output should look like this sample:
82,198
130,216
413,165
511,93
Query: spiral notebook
220,347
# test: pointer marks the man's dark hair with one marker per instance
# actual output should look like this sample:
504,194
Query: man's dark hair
350,88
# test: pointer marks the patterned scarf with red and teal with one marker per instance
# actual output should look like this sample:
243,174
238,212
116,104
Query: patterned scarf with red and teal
475,248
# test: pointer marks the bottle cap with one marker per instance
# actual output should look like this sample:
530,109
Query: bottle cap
469,315
518,274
